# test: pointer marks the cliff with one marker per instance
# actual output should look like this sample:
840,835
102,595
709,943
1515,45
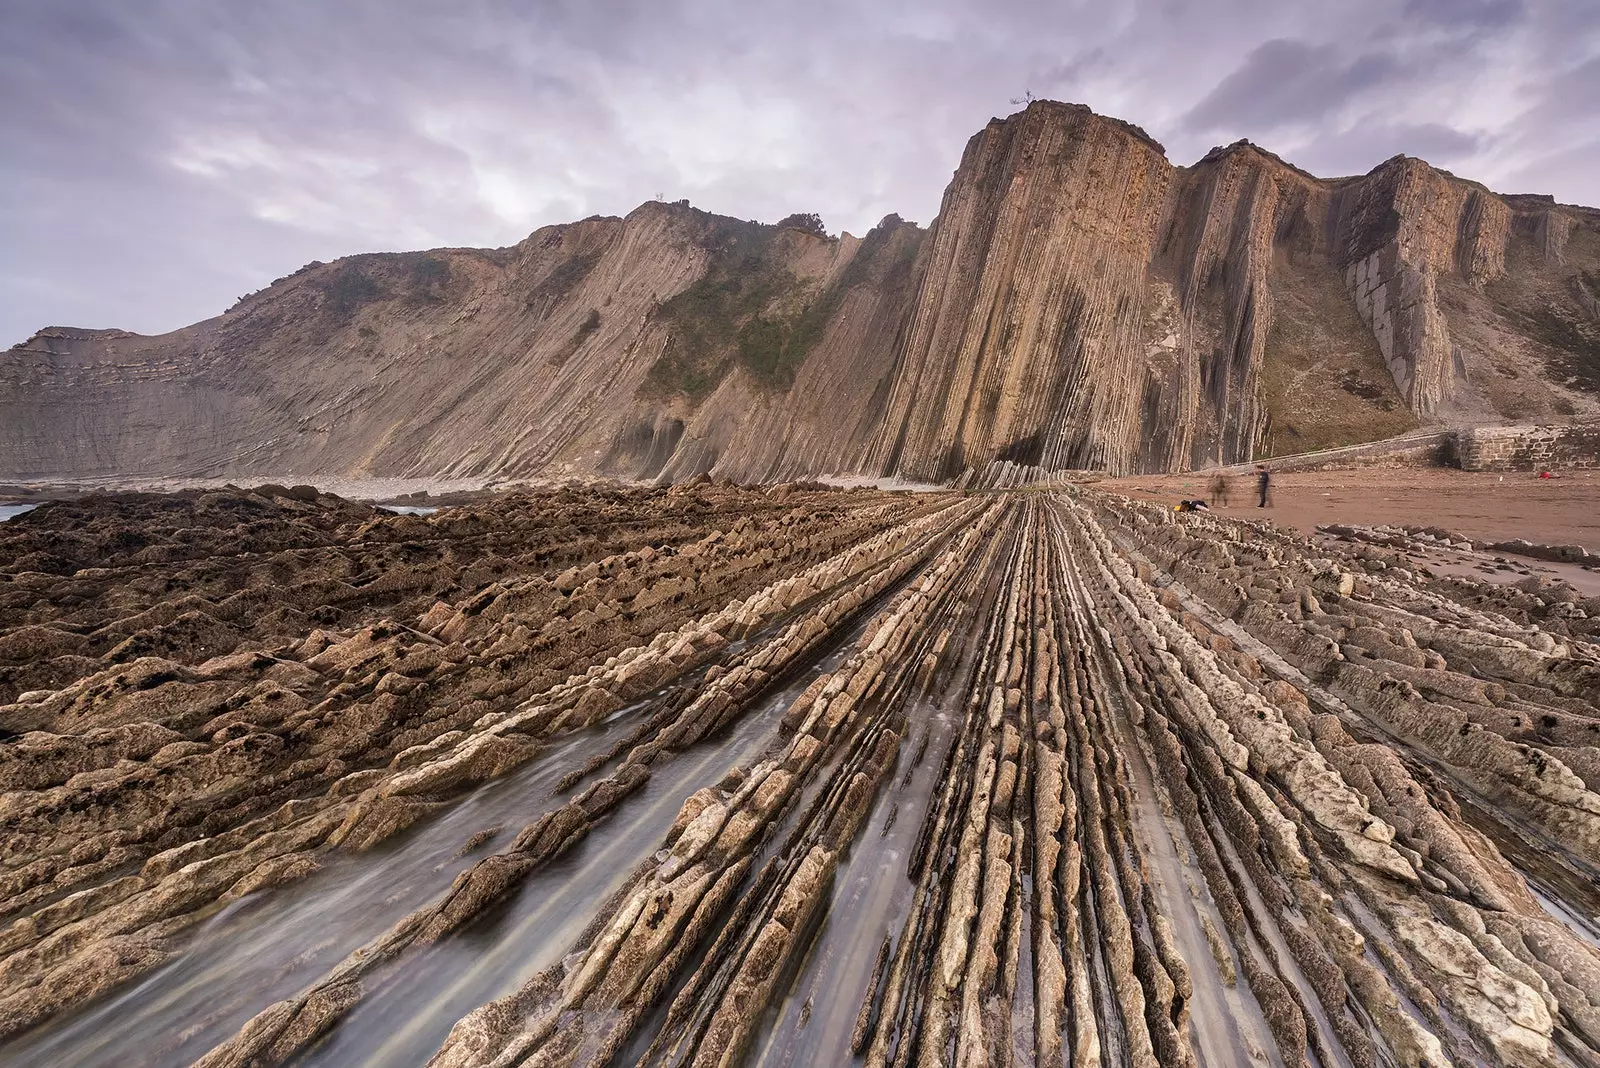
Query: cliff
1079,302
1087,304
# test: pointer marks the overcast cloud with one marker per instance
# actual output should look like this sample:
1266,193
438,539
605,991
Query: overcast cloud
158,158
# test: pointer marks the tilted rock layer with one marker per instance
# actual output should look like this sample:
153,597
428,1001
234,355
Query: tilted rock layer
845,777
1079,302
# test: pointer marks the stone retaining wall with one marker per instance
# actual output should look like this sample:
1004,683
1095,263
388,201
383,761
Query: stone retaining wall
1419,448
1527,448
1420,451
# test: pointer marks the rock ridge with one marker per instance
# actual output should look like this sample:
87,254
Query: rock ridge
1079,302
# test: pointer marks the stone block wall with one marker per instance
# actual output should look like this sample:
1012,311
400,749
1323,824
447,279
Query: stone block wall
1527,448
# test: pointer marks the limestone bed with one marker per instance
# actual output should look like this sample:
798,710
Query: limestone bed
802,775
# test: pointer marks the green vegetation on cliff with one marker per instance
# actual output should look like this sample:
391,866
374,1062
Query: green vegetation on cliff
718,319
748,311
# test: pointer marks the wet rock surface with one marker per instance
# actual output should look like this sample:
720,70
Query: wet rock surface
721,776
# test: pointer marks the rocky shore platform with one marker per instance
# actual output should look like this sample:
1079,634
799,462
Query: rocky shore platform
799,775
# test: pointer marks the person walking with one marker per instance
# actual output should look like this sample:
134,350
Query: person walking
1264,480
1219,488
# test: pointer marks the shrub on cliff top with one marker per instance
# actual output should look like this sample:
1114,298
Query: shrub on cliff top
345,289
808,221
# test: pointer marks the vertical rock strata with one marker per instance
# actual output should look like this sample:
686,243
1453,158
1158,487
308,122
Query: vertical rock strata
1031,299
1024,779
1086,304
1079,302
1403,226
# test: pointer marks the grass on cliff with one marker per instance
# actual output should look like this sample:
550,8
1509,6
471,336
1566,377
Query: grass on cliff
720,320
345,288
590,324
428,279
566,277
1323,379
350,284
773,350
725,319
1574,344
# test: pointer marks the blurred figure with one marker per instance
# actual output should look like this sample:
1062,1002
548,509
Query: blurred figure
1264,480
1219,488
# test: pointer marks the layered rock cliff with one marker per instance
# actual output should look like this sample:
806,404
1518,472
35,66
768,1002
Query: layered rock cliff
1079,302
1087,304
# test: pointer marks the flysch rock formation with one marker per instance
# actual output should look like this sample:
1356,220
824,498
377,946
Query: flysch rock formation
718,776
1080,302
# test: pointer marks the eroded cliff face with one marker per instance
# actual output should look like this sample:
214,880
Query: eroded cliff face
835,330
1087,304
1403,227
1029,297
1079,302
447,362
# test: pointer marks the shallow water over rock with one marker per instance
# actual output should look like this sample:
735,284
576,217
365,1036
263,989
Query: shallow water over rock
1028,779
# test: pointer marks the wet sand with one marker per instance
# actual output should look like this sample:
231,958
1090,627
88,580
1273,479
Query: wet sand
1481,505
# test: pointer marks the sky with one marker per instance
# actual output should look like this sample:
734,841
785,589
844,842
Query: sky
161,158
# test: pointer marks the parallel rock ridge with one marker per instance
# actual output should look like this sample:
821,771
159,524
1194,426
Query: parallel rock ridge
1080,302
845,777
